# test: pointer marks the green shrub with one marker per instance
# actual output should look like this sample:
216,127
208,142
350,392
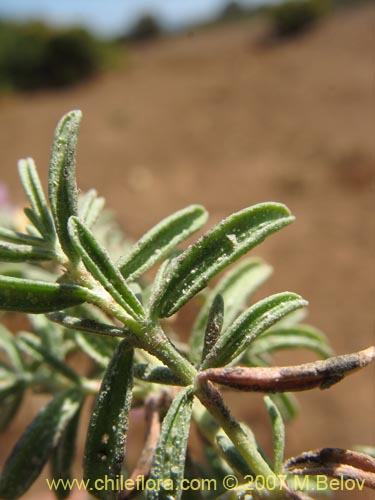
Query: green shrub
146,28
232,11
71,56
33,56
296,16
22,54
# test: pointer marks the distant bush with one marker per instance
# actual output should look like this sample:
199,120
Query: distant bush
295,16
33,56
71,56
22,53
146,28
232,11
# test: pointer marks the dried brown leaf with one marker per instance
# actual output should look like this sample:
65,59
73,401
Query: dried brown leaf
322,374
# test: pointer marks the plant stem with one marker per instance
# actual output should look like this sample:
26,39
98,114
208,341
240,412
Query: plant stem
211,398
157,343
153,339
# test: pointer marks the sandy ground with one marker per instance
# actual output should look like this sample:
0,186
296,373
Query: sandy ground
220,118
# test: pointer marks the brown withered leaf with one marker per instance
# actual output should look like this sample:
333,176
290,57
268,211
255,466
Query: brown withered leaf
153,405
322,374
334,462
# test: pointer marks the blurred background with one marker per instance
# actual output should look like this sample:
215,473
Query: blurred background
225,104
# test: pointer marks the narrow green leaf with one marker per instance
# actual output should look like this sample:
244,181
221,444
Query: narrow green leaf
10,252
169,459
63,456
302,330
9,347
214,325
10,403
218,467
35,357
33,188
102,268
289,338
89,207
51,334
158,282
232,455
290,320
17,294
278,433
89,325
156,374
162,239
287,405
239,492
32,451
236,288
17,238
254,321
62,182
217,249
99,349
49,358
106,437
7,384
33,218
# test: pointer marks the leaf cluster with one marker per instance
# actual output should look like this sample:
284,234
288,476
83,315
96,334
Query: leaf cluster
83,295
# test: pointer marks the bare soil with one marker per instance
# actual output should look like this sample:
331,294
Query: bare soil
220,117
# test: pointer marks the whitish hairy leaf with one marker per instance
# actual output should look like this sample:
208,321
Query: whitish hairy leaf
35,446
63,456
220,247
34,191
106,437
236,287
254,321
62,181
278,433
161,240
17,294
102,268
169,460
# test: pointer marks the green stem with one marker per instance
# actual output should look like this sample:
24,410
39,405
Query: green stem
211,398
152,338
158,344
